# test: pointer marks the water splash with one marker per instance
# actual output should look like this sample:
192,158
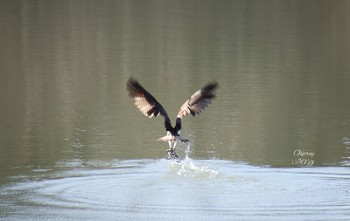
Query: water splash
189,169
186,167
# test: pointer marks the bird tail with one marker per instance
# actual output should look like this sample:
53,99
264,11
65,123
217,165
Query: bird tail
170,137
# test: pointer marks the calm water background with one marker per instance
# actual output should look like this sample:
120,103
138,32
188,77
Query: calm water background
74,147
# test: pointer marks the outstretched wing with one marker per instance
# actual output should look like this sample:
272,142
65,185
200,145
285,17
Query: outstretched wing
146,103
199,100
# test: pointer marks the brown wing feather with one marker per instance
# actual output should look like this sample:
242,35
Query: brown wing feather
199,100
145,102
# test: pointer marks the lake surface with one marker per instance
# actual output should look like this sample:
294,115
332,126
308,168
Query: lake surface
273,145
164,190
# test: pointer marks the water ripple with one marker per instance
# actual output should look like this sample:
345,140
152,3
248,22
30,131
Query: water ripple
163,190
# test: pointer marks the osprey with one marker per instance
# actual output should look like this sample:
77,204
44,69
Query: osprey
150,107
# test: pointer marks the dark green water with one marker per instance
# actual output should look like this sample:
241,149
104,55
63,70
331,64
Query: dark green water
283,102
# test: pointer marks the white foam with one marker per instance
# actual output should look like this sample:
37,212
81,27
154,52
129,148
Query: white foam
187,168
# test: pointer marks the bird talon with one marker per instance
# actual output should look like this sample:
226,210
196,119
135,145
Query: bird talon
172,154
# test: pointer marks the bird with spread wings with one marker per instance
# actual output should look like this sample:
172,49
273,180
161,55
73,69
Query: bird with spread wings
150,107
